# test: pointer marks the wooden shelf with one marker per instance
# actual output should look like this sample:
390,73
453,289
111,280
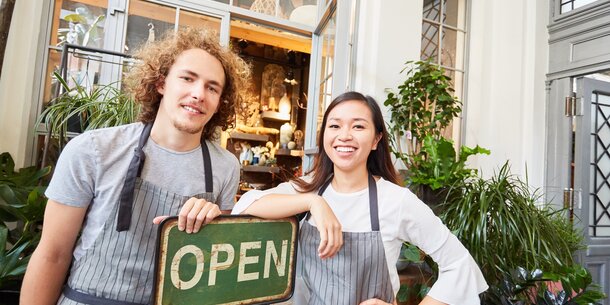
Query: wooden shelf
248,136
289,152
260,169
275,116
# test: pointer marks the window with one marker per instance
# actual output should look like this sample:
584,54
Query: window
327,55
570,5
148,20
443,38
80,23
299,11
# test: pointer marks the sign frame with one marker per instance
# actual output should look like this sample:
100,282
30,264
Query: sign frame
162,259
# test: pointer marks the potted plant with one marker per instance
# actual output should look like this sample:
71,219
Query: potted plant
572,286
498,220
101,106
437,167
423,106
421,110
22,205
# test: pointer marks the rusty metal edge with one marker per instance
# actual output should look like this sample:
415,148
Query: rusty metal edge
170,222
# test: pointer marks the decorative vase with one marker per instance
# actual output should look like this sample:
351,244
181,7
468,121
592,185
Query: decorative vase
285,134
285,105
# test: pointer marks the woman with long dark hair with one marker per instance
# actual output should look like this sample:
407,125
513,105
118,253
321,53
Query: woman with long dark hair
360,216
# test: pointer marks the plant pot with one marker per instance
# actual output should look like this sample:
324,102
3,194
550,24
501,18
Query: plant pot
9,297
433,198
410,276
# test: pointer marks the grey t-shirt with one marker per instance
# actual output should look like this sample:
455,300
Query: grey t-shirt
91,171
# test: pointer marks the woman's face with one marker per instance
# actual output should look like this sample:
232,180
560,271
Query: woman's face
350,135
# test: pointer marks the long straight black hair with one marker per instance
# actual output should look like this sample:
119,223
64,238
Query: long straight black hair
379,161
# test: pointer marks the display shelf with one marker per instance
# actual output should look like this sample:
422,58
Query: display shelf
289,152
275,116
260,169
248,136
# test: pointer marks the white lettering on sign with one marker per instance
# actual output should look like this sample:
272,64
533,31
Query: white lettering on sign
271,254
175,276
215,265
246,260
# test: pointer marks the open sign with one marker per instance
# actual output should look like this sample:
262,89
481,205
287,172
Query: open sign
233,260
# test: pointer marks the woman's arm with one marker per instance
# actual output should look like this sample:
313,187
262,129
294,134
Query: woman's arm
460,280
274,206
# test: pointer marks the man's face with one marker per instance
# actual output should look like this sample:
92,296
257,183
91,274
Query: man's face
191,91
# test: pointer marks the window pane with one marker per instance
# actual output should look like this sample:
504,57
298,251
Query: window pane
568,5
429,42
50,83
146,22
432,10
79,23
304,12
454,12
198,20
326,67
453,46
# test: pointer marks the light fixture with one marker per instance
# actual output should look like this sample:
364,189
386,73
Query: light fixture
290,78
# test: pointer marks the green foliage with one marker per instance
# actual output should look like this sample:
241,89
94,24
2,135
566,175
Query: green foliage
427,268
22,205
499,223
523,287
424,105
102,106
437,165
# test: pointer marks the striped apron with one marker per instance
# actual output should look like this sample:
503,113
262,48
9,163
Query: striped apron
358,272
118,269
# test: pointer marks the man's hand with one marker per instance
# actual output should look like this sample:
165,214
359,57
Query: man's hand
194,214
331,236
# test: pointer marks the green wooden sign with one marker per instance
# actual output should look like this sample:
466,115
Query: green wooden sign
233,260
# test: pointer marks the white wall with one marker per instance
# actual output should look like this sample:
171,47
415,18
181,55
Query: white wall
389,34
505,93
505,89
18,79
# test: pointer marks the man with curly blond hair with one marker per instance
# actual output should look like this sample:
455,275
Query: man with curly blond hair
111,184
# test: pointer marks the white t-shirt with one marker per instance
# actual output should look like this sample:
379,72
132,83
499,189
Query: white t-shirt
402,217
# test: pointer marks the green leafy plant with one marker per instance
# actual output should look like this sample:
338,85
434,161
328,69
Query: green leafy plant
102,106
498,221
423,106
22,205
571,286
438,165
423,266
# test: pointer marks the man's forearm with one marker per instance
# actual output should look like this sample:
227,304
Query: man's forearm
44,279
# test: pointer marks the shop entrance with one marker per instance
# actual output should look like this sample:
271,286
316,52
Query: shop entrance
589,207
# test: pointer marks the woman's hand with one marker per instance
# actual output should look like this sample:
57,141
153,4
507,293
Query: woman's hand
331,236
194,214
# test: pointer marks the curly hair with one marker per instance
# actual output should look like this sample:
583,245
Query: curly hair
156,59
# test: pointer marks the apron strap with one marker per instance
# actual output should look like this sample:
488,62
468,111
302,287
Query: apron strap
135,169
84,298
207,168
373,205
